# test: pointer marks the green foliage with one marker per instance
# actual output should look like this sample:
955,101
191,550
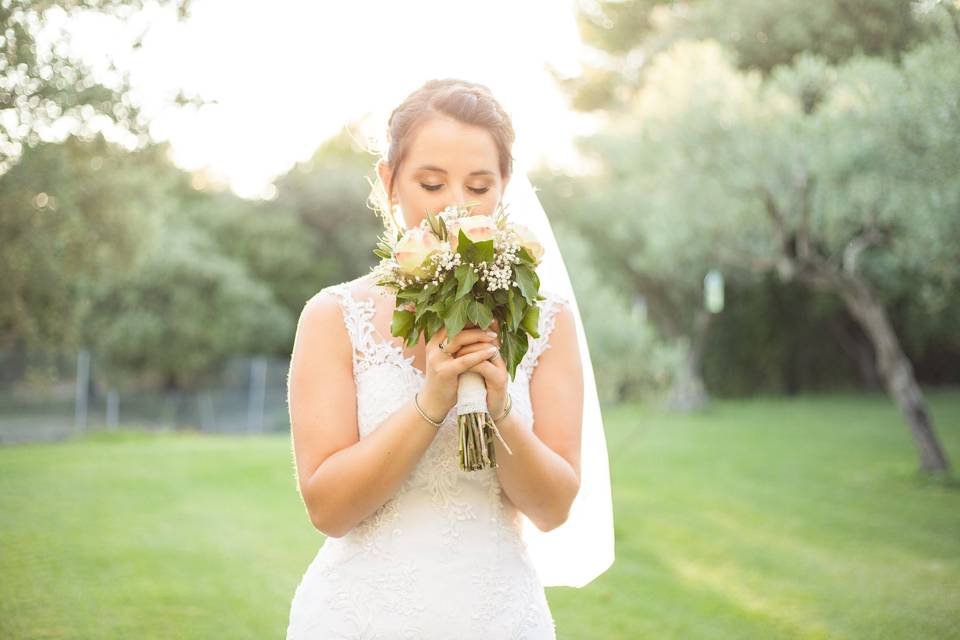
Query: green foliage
185,311
271,243
631,358
693,172
784,338
714,158
765,34
326,195
49,84
71,215
760,34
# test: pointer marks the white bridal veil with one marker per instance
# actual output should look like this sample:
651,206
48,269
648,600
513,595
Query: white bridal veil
582,548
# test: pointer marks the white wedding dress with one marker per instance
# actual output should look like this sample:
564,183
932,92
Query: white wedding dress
444,557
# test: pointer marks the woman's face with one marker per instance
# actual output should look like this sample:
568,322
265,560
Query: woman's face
449,163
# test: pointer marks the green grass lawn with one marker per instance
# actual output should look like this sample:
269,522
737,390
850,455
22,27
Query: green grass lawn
768,518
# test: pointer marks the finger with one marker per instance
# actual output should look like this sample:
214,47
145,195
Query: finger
492,372
484,368
474,346
439,335
468,336
462,363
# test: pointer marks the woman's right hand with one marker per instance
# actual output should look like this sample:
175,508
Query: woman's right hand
443,367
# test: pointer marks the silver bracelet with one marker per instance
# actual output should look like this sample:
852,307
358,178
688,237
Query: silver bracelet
507,410
416,401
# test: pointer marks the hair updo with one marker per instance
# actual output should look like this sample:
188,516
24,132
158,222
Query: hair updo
467,102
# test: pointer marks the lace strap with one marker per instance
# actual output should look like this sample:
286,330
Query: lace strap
358,314
536,346
356,319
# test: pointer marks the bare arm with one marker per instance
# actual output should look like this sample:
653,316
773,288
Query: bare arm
342,478
542,477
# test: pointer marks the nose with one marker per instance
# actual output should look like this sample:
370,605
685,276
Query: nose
462,198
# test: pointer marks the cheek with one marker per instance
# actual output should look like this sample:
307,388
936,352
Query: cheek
414,204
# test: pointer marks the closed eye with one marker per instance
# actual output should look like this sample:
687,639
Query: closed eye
437,187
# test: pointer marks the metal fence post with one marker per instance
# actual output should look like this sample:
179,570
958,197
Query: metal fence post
113,409
257,394
82,390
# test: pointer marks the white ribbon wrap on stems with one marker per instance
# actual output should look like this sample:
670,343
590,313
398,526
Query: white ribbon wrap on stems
471,393
472,398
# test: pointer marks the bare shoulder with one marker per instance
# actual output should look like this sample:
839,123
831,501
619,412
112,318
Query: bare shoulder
556,388
326,304
320,385
322,345
321,313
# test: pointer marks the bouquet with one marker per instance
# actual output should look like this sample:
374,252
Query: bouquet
460,270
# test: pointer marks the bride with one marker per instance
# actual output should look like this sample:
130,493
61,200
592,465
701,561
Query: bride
416,547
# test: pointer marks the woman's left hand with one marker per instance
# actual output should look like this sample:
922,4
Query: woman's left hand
494,374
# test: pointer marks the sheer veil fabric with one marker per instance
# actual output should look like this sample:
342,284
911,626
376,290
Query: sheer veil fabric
581,548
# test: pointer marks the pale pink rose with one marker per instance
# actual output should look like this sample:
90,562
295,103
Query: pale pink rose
478,228
528,241
413,251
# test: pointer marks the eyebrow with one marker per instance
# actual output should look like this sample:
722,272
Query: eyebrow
430,167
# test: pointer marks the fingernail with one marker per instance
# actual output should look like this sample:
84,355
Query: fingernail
491,349
492,334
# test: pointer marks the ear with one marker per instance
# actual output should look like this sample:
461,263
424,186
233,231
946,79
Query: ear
384,170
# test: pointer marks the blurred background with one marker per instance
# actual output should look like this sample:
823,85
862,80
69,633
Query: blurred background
759,206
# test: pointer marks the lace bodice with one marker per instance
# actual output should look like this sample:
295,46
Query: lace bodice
444,557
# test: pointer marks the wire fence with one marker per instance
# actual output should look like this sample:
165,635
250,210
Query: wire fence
47,396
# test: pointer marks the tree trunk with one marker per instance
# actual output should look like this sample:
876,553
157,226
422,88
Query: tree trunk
893,364
688,392
860,350
800,257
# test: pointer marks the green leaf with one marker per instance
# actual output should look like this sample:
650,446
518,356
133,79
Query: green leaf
413,334
456,317
421,309
531,320
479,314
402,321
514,309
449,284
513,346
484,316
464,246
484,251
433,323
466,277
408,294
528,282
524,255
